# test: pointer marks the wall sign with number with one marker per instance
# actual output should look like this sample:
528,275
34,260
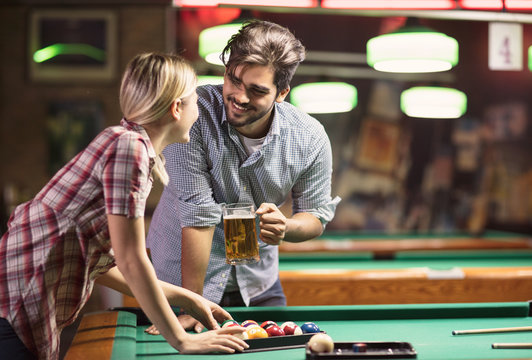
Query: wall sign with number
505,46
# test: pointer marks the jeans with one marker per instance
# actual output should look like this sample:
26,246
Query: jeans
274,296
11,347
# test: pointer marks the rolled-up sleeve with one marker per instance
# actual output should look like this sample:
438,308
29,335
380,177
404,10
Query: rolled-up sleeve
311,193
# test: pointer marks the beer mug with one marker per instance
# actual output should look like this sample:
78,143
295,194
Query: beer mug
241,244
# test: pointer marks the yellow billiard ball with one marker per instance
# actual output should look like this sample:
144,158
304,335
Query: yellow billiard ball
256,332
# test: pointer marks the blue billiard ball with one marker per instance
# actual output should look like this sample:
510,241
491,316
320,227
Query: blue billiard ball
310,327
360,347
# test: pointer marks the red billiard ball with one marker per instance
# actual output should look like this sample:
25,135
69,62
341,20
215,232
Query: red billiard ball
320,343
267,324
274,330
228,323
310,327
291,328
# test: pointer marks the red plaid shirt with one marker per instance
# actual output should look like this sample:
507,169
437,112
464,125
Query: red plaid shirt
58,243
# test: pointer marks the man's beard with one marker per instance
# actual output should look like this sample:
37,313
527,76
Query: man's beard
248,119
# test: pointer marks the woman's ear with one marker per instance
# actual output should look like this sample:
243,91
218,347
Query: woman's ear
175,110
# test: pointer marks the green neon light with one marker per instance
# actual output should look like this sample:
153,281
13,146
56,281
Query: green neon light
530,58
210,80
412,50
213,40
324,97
433,102
54,50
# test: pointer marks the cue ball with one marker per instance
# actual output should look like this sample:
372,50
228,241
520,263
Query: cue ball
291,328
321,343
310,327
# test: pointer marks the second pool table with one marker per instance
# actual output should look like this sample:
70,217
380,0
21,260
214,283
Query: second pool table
409,277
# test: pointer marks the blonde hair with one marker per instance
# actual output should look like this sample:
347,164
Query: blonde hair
150,84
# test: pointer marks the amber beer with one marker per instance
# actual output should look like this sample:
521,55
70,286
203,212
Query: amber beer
241,245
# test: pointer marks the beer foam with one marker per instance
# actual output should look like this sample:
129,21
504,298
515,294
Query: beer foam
239,216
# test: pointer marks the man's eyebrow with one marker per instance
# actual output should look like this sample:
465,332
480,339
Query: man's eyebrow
260,88
255,87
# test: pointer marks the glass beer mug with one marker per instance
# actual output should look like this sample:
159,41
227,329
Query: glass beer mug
241,243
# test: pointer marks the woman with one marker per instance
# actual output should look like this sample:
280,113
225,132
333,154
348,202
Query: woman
89,218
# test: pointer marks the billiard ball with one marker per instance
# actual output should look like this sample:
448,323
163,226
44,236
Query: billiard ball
249,323
256,332
228,323
320,343
274,330
243,335
359,347
267,324
310,327
291,328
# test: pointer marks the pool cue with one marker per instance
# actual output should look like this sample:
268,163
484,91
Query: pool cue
511,346
494,330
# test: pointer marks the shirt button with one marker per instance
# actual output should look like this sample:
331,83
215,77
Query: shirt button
245,188
223,275
221,284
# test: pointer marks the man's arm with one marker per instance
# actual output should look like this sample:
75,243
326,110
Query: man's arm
195,251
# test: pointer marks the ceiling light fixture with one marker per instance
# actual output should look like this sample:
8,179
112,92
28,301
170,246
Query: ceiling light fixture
324,97
481,4
412,49
213,40
210,80
390,4
530,58
433,102
278,3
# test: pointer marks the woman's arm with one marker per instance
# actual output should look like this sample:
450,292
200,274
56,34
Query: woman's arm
128,242
209,313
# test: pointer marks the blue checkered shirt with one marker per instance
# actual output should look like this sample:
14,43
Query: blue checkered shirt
213,168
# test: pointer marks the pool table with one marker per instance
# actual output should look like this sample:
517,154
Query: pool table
348,268
409,277
428,327
382,246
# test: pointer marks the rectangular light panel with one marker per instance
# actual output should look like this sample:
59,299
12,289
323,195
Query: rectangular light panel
389,4
278,3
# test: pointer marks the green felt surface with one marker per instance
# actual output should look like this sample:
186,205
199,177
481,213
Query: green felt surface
409,259
368,235
427,326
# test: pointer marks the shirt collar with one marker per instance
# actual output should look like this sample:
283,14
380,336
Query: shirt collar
131,126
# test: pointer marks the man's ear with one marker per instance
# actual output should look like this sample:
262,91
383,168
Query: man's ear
175,110
282,95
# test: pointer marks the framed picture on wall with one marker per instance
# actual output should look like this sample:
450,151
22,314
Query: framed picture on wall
377,147
70,126
72,45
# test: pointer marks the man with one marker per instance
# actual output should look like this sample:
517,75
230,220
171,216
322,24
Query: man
248,145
